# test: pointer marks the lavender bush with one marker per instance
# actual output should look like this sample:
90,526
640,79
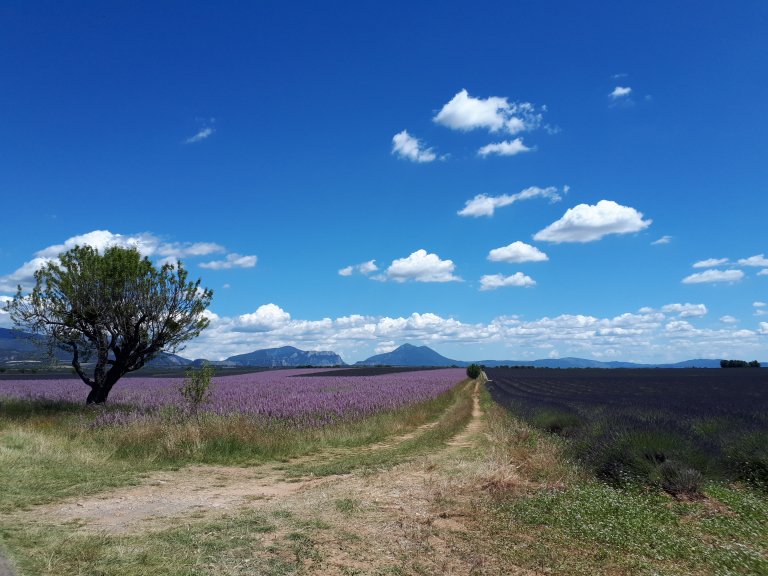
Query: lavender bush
309,401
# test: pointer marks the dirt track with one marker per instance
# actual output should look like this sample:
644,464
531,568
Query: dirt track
415,516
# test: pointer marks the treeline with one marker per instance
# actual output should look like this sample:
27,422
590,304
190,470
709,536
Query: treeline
739,364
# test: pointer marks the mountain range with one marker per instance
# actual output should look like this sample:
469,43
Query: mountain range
18,348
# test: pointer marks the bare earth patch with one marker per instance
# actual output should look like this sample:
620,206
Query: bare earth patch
416,517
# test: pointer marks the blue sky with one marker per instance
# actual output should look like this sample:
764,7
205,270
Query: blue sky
530,179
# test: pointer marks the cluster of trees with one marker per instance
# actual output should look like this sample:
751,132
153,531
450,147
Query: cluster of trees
739,364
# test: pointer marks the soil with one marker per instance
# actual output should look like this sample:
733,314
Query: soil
414,517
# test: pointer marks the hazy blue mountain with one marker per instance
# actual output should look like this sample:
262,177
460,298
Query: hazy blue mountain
410,355
168,360
16,346
285,356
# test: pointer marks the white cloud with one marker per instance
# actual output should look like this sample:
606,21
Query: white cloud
24,276
5,317
267,317
763,328
757,260
686,310
385,347
365,268
710,262
759,304
504,148
201,135
647,336
727,319
620,92
232,260
517,252
495,114
493,281
714,275
586,223
483,205
406,146
662,240
182,250
763,272
421,267
368,267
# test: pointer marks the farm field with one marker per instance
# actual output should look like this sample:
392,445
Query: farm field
436,479
673,427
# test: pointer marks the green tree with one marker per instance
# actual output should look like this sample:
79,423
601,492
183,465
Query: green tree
116,308
474,371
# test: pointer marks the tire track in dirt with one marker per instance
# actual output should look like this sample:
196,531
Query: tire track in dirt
207,490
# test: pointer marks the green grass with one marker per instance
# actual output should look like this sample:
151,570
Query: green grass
583,526
455,417
48,453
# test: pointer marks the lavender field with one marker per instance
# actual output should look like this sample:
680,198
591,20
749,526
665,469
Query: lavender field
272,396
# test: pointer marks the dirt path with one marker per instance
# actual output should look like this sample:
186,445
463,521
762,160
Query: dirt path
414,517
5,567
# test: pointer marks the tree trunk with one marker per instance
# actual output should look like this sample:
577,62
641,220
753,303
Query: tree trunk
100,391
98,395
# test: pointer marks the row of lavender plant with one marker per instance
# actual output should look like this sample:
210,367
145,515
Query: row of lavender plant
273,396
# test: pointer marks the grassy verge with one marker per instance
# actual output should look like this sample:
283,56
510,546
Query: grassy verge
454,418
565,521
61,463
48,454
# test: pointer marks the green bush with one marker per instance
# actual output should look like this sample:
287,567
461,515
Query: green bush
474,371
196,388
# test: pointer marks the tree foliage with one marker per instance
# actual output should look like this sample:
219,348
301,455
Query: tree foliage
474,371
739,364
116,309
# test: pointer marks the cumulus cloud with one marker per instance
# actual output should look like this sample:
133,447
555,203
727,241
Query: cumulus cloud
759,304
686,310
714,275
495,114
202,134
148,244
483,205
727,319
410,148
710,262
232,260
493,281
620,92
266,317
587,223
517,252
365,268
662,240
645,335
757,260
421,267
385,347
763,328
504,148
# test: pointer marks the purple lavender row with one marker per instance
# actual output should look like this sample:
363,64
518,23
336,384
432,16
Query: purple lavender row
272,396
